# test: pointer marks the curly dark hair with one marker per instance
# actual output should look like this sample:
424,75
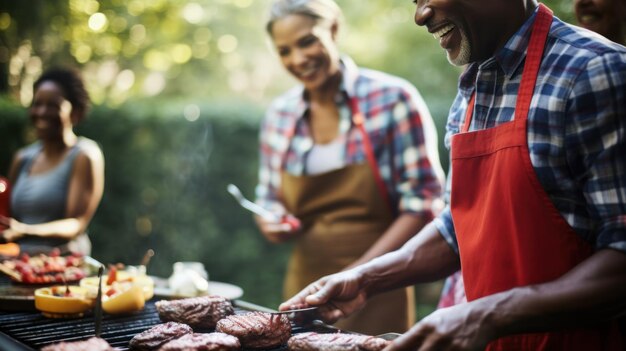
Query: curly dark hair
71,82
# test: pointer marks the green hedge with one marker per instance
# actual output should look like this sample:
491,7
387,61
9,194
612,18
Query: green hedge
165,189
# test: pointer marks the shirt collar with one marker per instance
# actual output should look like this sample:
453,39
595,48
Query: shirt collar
509,58
350,74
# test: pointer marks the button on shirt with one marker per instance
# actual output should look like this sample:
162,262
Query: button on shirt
576,125
398,124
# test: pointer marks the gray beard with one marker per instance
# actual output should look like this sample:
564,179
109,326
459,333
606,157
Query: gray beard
465,52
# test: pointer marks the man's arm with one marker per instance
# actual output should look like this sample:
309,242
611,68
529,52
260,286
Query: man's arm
592,292
426,257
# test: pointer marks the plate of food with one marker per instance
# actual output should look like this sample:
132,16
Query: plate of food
45,269
229,291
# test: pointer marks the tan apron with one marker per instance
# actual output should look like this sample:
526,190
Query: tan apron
342,214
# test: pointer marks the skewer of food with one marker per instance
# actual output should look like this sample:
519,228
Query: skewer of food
45,269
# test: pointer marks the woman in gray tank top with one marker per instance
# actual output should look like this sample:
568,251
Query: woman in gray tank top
58,180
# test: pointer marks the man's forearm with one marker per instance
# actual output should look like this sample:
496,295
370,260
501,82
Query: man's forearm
593,291
426,257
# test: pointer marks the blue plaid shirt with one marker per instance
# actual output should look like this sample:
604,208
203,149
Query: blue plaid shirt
399,126
576,125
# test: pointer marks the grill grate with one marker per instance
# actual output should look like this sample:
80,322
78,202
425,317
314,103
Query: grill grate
35,331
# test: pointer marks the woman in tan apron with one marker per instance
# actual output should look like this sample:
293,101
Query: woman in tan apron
351,154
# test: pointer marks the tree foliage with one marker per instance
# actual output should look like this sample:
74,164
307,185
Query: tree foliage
198,48
155,69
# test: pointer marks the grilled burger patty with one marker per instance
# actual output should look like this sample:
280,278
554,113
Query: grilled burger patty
257,329
92,344
158,335
198,312
312,341
203,342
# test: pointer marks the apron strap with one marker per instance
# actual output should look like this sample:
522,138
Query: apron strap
531,68
469,113
358,119
533,61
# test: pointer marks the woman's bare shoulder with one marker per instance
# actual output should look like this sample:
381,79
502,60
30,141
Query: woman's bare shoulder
89,149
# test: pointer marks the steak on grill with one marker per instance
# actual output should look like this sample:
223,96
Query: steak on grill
198,312
312,341
203,342
257,329
158,335
92,344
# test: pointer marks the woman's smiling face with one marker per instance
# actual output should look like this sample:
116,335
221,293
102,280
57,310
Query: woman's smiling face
306,49
50,111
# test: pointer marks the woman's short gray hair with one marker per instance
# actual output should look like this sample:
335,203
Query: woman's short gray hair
323,11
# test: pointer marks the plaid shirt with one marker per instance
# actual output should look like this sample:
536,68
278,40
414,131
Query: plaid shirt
576,125
399,126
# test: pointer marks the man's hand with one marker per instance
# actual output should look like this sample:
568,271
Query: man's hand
338,296
461,327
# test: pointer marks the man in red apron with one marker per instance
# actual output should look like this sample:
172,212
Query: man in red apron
537,220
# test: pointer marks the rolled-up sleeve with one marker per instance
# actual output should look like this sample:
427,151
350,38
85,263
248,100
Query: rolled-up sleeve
270,160
596,145
444,224
419,174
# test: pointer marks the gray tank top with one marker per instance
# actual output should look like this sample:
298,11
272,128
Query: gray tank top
42,198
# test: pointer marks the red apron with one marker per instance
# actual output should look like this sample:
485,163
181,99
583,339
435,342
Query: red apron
509,232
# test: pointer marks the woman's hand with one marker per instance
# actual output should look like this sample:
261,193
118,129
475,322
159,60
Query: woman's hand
337,296
15,229
278,231
11,235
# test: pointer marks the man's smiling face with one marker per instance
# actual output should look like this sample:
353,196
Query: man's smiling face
468,30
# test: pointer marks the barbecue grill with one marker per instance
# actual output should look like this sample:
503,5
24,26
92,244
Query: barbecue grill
26,331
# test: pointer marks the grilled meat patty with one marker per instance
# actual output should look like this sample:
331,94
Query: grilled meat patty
257,329
158,335
92,344
198,312
312,341
203,342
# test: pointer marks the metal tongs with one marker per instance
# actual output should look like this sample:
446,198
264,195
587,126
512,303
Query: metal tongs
300,316
98,309
293,222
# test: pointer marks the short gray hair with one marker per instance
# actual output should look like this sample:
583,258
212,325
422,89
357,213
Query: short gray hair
323,11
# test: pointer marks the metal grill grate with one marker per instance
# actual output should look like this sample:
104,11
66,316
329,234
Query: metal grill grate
35,331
